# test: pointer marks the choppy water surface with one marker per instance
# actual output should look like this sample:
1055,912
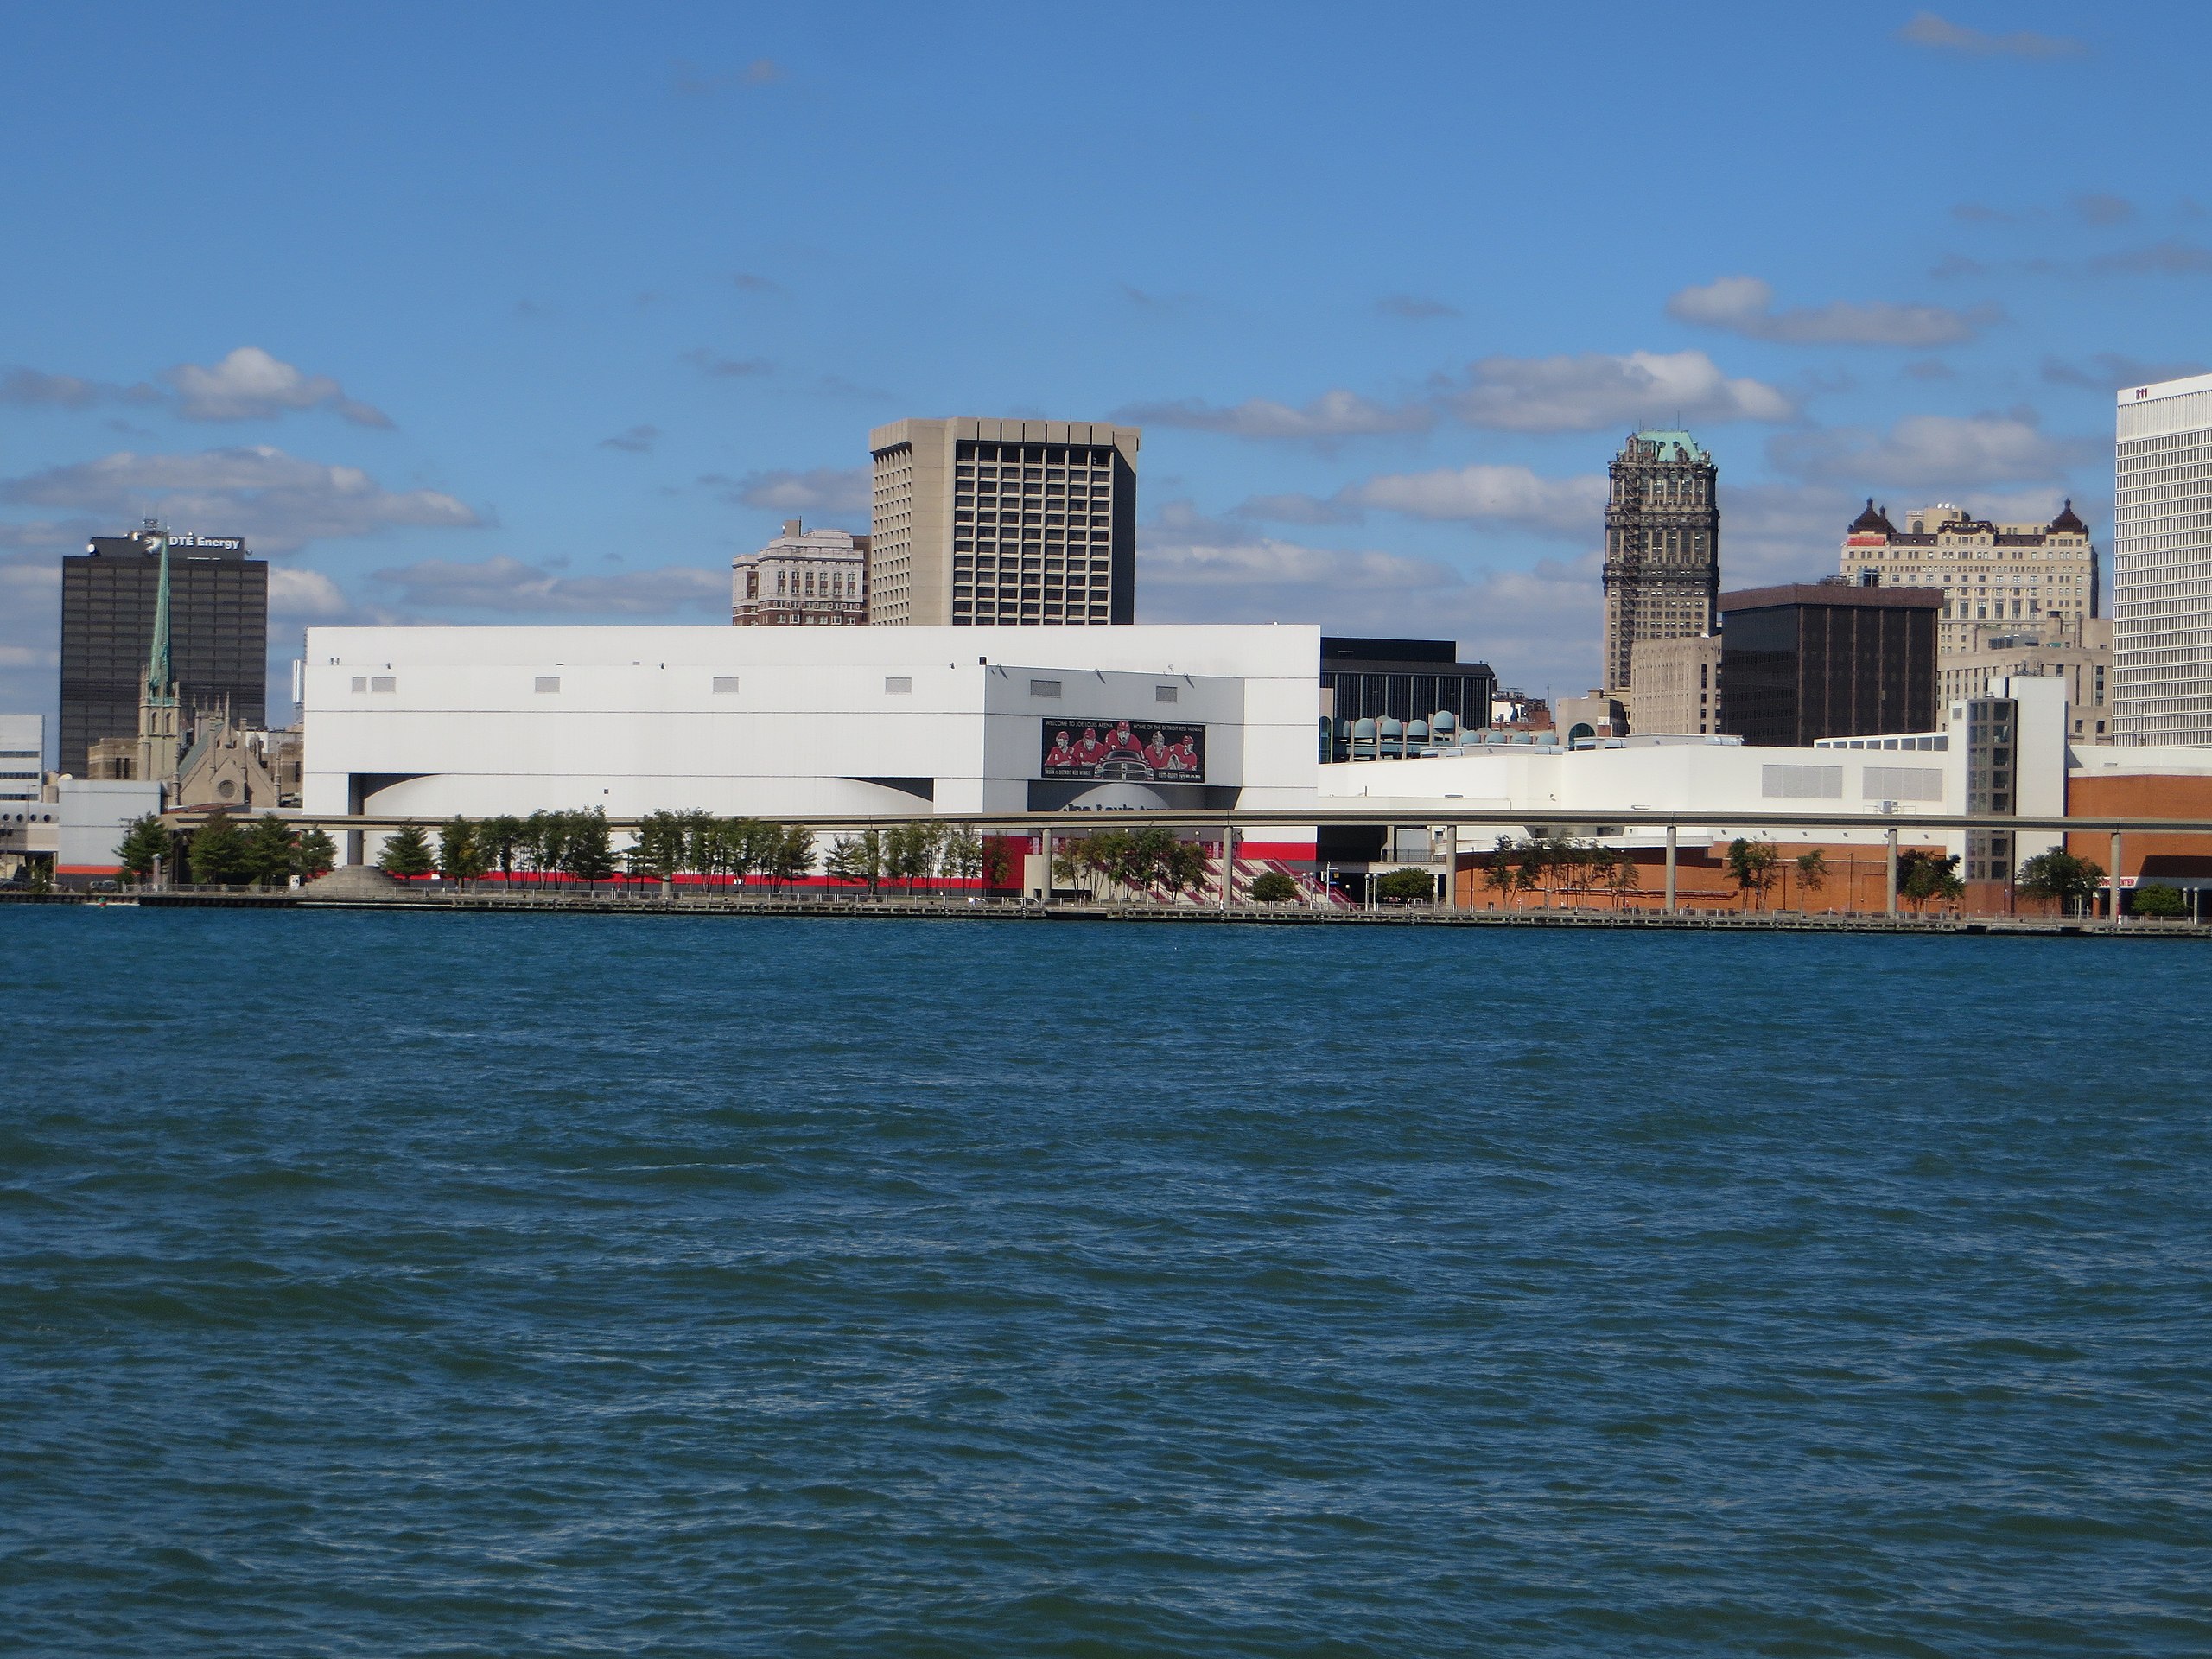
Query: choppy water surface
413,1285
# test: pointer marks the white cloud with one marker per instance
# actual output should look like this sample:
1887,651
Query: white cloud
249,385
277,502
823,489
1931,452
1333,415
1942,34
1594,391
1537,627
296,593
1744,305
507,584
1512,495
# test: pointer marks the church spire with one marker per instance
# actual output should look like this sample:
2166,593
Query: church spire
157,703
157,660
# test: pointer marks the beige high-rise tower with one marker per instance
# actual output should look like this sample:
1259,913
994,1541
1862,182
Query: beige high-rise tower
1003,522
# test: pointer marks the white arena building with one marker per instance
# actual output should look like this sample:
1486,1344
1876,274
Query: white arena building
428,722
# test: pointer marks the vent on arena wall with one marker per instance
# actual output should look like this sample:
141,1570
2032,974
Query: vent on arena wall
1903,784
1801,783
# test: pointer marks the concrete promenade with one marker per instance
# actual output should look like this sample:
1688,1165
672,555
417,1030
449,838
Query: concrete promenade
823,906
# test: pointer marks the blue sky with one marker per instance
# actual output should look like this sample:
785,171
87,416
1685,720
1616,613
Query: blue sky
505,313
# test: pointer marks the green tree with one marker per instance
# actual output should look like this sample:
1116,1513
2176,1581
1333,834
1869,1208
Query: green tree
270,848
857,860
1812,870
1622,879
2061,877
460,854
1273,887
1922,874
1001,868
545,842
792,857
1750,865
586,850
1499,874
663,845
960,852
910,851
406,854
144,840
218,851
1402,887
2158,900
314,854
499,839
1188,866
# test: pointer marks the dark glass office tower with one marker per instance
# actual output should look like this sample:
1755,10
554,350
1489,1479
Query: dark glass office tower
1814,660
219,634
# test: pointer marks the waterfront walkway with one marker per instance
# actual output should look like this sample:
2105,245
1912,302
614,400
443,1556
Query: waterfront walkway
630,902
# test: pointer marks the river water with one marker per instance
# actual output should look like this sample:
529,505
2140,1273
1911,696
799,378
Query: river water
384,1285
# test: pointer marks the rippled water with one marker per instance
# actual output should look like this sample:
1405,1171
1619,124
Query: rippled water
482,1284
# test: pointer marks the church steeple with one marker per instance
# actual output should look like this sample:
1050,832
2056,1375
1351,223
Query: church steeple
158,736
157,660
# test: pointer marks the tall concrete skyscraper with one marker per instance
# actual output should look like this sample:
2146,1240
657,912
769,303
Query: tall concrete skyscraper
997,522
1662,549
2162,564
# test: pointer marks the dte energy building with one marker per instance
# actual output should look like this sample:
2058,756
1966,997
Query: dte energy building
2162,564
978,523
219,634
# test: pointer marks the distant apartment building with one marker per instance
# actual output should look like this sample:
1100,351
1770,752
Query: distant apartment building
219,634
23,757
2162,563
1809,661
1677,686
2085,668
1663,547
1997,580
804,577
991,523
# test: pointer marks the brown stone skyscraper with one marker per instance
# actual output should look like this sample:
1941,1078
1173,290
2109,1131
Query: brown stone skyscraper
1662,549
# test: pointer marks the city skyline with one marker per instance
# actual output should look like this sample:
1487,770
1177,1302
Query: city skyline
427,389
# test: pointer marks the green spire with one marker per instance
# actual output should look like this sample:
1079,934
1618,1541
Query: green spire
157,662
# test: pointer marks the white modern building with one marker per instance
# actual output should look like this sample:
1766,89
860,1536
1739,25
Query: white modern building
428,722
2162,563
23,757
2017,733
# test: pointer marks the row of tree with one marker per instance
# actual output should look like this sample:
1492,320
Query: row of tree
578,846
1146,861
220,854
1560,865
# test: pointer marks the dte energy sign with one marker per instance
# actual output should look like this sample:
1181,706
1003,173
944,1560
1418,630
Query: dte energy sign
1119,751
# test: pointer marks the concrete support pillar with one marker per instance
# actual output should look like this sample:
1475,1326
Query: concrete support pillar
1673,837
1045,841
1228,864
1889,873
1451,867
2117,919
